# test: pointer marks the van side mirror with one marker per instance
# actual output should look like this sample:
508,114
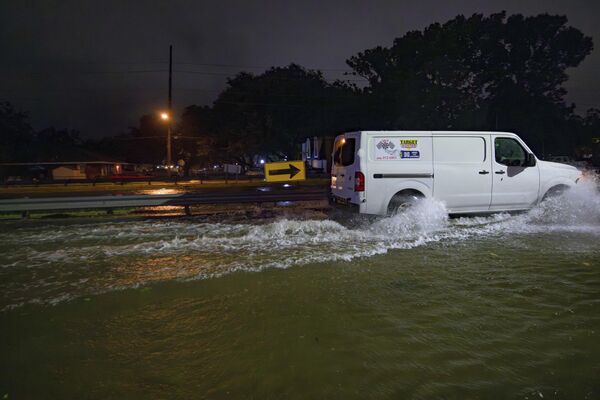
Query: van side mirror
530,160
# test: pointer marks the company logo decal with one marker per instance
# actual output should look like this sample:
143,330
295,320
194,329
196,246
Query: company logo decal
386,144
408,143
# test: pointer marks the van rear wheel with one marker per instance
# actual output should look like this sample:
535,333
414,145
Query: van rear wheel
402,201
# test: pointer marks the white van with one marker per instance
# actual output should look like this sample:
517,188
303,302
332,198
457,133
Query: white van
471,172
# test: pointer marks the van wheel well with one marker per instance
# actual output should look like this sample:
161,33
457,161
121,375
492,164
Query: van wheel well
555,191
403,199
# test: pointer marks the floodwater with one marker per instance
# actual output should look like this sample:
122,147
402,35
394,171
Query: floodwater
412,306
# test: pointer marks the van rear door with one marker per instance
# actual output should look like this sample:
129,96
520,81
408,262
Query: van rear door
345,165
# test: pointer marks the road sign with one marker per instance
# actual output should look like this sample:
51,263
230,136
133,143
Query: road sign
232,168
285,171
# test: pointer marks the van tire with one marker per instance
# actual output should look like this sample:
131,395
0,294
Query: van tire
402,201
555,191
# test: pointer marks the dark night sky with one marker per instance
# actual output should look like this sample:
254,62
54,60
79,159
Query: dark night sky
71,63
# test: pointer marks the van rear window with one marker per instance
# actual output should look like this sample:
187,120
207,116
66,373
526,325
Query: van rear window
344,153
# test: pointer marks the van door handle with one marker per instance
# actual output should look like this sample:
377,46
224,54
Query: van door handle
484,172
502,172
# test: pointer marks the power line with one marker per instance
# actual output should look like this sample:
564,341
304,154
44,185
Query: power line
86,92
262,66
122,72
70,72
248,103
67,71
360,79
215,64
204,73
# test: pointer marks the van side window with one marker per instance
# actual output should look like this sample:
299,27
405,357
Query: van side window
344,154
509,152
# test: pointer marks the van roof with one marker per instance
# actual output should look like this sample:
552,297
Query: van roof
433,133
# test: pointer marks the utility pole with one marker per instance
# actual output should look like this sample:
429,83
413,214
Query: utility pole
170,111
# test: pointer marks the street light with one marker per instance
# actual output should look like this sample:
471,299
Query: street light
167,118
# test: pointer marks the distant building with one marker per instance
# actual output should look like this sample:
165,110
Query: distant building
68,172
316,152
61,171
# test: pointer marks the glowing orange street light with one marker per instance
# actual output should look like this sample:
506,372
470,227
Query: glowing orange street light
167,118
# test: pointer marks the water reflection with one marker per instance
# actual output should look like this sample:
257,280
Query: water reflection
162,191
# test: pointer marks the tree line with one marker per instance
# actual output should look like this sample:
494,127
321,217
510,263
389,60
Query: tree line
493,72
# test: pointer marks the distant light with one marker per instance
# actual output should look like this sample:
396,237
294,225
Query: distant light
343,141
164,116
287,185
262,161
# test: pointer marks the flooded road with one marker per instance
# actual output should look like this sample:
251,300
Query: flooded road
417,305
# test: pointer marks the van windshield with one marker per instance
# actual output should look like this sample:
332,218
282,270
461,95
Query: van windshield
344,152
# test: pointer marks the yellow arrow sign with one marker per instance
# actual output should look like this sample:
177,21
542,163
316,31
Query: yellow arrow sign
285,171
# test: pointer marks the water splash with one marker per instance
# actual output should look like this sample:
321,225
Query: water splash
576,208
48,264
425,217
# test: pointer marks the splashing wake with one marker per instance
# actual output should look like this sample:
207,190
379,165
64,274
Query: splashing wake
49,264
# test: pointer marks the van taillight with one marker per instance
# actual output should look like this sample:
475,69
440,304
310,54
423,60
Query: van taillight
359,182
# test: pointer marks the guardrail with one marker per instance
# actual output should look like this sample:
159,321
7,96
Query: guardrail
125,181
149,180
26,205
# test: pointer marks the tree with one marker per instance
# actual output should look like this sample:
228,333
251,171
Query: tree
16,134
53,144
20,143
196,138
145,143
270,114
476,73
